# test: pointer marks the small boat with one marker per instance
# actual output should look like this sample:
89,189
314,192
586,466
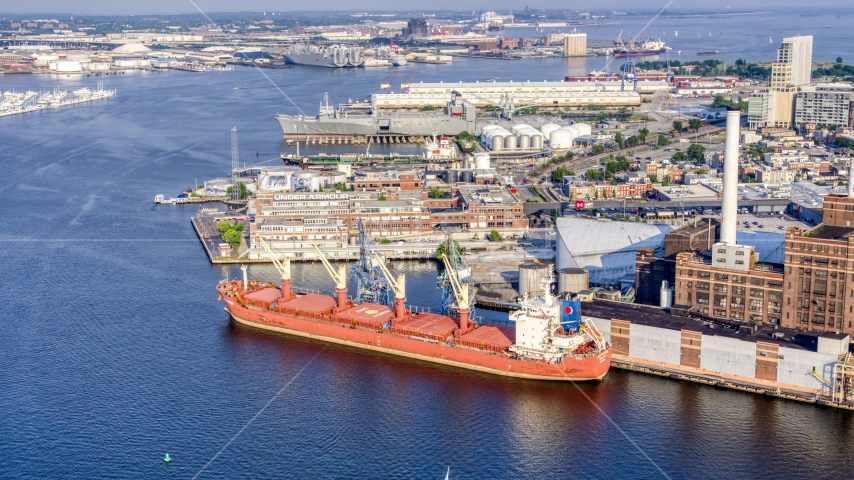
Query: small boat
706,54
678,52
676,34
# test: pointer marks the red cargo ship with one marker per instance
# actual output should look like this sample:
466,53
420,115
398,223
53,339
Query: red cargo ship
551,350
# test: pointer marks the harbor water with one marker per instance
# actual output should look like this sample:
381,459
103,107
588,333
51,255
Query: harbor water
116,352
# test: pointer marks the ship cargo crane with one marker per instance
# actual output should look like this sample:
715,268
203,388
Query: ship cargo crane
371,286
462,277
398,286
407,82
460,292
339,277
386,85
284,268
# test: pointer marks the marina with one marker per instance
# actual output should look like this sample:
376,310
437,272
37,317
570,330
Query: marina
15,103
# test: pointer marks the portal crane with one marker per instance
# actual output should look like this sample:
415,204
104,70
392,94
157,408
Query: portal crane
398,286
339,277
371,287
461,293
284,268
462,273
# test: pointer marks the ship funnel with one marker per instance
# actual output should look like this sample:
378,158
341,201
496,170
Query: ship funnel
729,209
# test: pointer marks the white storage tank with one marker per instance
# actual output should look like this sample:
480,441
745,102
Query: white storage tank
306,181
666,295
331,178
98,67
560,138
524,142
66,66
78,57
572,280
531,277
583,128
519,127
537,142
481,161
510,142
498,146
548,128
52,65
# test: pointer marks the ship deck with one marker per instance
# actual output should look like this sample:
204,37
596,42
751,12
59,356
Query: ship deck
311,303
427,325
367,315
497,338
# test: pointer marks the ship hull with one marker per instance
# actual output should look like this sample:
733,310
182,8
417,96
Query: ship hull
645,53
415,125
581,368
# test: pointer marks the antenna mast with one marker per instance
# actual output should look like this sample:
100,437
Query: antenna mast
235,164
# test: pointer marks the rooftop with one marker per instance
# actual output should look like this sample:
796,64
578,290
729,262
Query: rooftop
830,232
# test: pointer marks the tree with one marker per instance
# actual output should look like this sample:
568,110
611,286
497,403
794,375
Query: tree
560,172
677,125
381,198
232,237
440,252
223,226
436,192
839,60
662,141
696,152
597,149
694,124
679,157
653,178
494,236
618,137
666,181
341,187
241,187
642,136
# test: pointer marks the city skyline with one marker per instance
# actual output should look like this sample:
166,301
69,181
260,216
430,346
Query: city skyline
155,7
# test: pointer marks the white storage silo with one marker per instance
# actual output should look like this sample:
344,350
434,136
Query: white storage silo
583,128
98,67
548,128
66,66
481,161
531,276
524,142
510,142
306,181
560,138
537,141
519,127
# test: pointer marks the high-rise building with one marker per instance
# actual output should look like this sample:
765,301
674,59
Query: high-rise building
774,107
825,104
793,67
575,44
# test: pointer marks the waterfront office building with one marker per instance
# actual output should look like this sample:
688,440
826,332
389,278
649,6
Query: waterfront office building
575,44
774,107
296,220
825,104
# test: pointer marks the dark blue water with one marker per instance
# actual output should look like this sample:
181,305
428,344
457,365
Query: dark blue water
114,350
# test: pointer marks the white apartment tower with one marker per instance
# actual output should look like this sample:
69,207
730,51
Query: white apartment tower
774,107
793,67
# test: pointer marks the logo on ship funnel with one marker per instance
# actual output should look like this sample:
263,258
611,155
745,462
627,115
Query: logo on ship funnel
568,310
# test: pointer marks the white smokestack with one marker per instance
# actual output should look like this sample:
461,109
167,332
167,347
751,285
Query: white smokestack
729,209
851,179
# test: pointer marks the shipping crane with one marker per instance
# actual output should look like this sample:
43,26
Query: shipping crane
398,286
460,292
339,277
371,287
461,273
386,85
284,268
408,82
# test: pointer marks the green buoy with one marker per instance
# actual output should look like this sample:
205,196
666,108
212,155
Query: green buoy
167,459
